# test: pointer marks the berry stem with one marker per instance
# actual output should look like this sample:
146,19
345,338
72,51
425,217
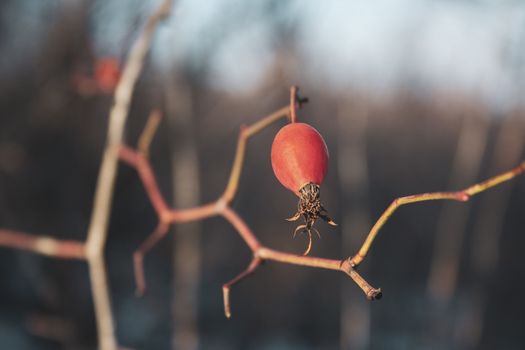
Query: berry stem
293,104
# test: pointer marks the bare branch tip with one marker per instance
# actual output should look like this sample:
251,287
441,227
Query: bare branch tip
139,274
226,299
374,294
147,135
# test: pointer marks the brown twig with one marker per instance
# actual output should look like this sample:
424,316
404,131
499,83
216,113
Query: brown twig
461,196
222,207
40,244
296,101
261,253
97,231
293,104
254,264
138,257
93,249
149,132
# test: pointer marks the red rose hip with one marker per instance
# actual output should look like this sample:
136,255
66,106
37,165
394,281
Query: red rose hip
300,162
299,156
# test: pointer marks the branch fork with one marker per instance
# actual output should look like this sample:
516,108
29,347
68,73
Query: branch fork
138,159
92,249
168,216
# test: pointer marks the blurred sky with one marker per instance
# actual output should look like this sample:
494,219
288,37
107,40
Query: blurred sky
472,47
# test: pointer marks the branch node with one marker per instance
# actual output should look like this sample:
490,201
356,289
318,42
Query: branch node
261,253
220,205
165,216
355,261
462,196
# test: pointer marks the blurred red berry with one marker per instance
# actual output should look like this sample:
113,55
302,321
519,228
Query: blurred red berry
107,74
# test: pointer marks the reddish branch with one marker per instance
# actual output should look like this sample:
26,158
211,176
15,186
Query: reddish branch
93,249
40,244
168,216
221,206
461,196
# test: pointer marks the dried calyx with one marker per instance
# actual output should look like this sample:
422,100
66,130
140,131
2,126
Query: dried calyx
311,209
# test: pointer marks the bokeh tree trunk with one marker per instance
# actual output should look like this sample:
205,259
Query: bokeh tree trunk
487,231
186,193
452,224
352,165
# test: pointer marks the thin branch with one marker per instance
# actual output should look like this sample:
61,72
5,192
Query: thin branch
261,253
93,249
293,104
244,135
461,196
40,244
97,231
137,160
254,264
149,181
244,231
138,257
296,101
166,216
102,303
149,132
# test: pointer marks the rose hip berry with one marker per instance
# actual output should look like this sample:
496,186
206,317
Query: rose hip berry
300,162
107,74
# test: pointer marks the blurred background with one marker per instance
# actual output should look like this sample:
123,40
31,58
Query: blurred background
411,96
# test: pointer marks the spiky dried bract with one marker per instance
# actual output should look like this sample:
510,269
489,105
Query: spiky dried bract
311,209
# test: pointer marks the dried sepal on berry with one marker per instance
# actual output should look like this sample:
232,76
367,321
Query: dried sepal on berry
300,162
311,209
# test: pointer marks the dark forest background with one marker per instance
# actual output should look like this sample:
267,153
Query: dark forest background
410,96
